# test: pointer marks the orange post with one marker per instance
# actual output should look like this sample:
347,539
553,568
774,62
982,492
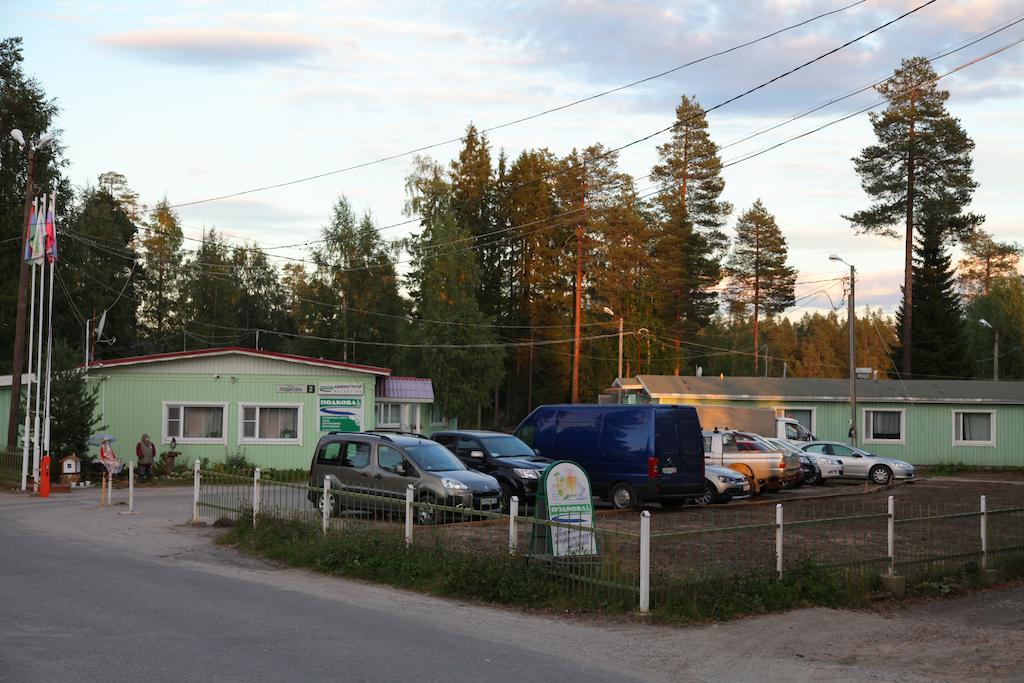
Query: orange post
44,484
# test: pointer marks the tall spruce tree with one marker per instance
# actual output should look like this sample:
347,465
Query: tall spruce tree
261,295
210,303
919,170
759,278
689,242
937,316
444,285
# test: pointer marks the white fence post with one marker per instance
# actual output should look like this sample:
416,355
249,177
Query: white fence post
195,492
984,533
408,514
645,562
325,505
891,533
778,538
131,487
255,494
513,532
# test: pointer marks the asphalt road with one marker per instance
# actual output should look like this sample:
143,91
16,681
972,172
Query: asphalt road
89,594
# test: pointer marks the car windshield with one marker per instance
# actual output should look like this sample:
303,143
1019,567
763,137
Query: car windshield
433,457
506,446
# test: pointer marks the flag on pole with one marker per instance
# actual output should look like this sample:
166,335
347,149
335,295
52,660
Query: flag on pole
37,241
51,230
30,228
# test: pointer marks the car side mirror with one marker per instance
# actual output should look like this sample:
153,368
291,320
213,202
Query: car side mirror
536,451
479,455
400,468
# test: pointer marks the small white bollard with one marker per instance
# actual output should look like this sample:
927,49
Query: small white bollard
408,514
325,505
195,492
984,533
891,532
513,533
778,538
131,490
255,494
645,562
110,489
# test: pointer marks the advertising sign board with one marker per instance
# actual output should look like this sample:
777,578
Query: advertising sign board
341,389
341,414
564,497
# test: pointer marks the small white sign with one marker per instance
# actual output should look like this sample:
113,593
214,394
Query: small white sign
568,499
291,388
341,389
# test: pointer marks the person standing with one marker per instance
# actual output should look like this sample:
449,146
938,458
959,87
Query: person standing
145,451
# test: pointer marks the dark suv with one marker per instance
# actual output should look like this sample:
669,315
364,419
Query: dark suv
503,456
385,464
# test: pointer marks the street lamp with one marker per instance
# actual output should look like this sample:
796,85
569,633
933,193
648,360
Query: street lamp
850,322
19,325
995,348
612,314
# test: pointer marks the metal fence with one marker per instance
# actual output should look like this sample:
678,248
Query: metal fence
644,561
10,466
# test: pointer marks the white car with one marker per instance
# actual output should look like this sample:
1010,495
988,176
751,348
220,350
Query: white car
826,467
721,485
858,463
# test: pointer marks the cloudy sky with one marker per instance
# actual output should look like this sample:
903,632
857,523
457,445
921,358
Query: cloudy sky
199,98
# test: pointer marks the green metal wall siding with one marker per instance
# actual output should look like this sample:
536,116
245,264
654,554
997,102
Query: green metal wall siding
131,404
929,429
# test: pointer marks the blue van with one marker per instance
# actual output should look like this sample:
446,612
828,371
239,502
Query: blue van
633,454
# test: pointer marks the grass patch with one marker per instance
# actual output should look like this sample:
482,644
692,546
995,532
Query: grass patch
953,469
518,581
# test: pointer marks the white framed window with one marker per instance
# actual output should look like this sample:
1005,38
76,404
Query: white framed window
974,428
389,415
270,423
807,416
884,426
436,415
194,422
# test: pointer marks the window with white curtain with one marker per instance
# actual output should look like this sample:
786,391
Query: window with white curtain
194,422
271,422
884,426
974,428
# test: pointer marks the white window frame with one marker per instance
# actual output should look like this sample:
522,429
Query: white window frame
866,435
388,425
959,442
242,439
813,429
165,438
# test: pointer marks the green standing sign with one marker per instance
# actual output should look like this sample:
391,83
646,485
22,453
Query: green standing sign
564,496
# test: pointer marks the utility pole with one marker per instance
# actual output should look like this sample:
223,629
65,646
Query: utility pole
995,348
850,323
579,295
17,363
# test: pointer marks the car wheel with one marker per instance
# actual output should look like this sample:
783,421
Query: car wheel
622,497
426,515
709,496
813,478
881,475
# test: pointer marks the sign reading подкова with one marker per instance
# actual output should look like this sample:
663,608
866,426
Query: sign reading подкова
569,502
341,414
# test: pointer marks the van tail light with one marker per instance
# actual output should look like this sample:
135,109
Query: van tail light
652,468
782,465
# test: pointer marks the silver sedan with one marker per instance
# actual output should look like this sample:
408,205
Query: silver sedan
861,464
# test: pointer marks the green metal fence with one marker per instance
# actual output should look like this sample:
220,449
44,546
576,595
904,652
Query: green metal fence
10,466
685,549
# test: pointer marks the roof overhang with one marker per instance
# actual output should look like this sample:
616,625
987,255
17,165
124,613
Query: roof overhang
239,351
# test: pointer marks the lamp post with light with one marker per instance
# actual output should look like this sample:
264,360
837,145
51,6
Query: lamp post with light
19,324
850,321
612,314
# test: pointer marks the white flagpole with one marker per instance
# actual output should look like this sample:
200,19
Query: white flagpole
39,361
28,398
49,333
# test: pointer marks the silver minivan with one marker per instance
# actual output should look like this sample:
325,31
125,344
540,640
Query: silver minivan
384,465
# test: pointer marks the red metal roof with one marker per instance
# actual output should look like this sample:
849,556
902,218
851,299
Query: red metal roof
228,350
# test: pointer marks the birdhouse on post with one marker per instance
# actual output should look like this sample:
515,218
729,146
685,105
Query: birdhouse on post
70,469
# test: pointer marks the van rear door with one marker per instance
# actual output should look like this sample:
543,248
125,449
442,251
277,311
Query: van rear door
679,449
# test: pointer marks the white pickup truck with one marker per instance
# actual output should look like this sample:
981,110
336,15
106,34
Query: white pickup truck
765,468
761,421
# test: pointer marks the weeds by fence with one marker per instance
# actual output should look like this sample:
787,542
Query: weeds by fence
702,562
10,466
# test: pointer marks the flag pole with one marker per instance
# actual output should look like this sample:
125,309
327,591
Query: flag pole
51,256
39,352
28,396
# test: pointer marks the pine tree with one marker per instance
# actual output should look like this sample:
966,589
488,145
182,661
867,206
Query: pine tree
162,277
261,295
986,260
936,314
74,407
210,303
689,242
472,182
921,165
1003,309
759,278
